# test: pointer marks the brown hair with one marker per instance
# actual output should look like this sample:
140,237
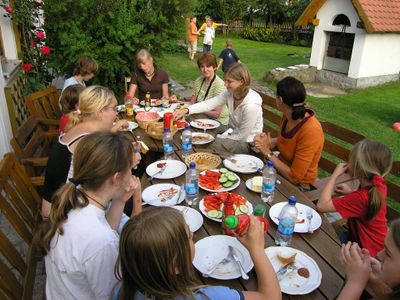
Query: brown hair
229,43
85,65
239,71
155,257
70,97
367,160
209,59
93,165
92,100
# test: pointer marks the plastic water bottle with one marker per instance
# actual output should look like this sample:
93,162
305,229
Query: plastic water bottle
186,141
192,185
287,221
269,180
168,144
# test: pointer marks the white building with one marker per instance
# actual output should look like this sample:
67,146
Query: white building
358,38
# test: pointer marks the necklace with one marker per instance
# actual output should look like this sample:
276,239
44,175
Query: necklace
91,198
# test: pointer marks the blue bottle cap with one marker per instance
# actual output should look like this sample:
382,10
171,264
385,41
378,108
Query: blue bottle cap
270,163
187,126
192,165
166,129
292,200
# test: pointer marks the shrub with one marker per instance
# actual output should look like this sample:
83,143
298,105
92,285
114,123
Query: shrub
275,35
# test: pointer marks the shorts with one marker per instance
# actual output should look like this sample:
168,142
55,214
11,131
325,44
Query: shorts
192,46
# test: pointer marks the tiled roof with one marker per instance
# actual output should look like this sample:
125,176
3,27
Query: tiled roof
376,15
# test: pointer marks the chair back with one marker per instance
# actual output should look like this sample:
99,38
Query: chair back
272,116
44,103
19,205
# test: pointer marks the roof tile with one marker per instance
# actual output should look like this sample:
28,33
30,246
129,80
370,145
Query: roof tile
384,16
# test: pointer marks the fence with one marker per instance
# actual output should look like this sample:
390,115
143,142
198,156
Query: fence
239,26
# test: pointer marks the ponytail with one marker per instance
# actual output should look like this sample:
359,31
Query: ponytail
75,117
64,200
375,196
298,112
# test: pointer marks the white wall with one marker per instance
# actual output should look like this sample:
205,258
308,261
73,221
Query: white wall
8,38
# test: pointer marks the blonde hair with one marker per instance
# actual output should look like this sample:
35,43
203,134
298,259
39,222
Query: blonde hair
239,71
367,160
155,256
93,165
91,100
141,55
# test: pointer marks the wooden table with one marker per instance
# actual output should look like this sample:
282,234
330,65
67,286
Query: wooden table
323,245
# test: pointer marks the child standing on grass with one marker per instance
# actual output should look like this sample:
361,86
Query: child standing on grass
365,208
227,57
209,36
69,102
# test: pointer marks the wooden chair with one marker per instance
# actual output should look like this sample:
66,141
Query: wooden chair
127,81
393,185
44,103
19,204
272,116
32,144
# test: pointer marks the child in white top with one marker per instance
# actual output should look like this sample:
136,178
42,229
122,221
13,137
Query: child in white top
209,36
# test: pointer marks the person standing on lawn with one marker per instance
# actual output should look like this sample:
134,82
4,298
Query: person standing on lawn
227,57
209,36
192,38
214,24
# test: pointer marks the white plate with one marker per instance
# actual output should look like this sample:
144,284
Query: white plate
132,125
248,185
243,163
300,227
162,111
203,210
231,188
293,283
192,217
197,124
153,103
150,195
208,138
212,249
120,108
174,168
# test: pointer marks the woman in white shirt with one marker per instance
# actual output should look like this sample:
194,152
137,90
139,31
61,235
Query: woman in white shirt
79,238
245,111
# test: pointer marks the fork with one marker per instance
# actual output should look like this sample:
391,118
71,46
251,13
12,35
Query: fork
222,262
309,215
179,194
158,172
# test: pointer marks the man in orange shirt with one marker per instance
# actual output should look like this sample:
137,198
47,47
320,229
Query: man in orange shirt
192,38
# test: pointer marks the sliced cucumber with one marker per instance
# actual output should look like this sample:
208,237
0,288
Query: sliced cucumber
232,178
221,207
223,170
223,179
213,213
227,184
219,216
228,173
244,209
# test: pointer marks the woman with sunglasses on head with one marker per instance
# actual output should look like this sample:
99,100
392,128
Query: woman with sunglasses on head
97,112
79,238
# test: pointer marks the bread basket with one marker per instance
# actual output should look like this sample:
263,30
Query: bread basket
156,130
204,160
145,118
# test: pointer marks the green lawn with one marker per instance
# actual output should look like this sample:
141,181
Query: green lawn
370,112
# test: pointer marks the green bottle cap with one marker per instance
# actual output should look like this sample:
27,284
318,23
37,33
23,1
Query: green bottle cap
231,222
259,210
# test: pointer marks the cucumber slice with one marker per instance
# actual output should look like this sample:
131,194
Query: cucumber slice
232,178
244,209
227,184
223,179
238,211
213,213
228,173
219,216
223,170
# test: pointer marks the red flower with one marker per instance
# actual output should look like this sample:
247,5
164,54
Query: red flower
40,35
27,67
9,9
45,50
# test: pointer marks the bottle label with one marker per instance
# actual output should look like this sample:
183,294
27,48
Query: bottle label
286,227
192,189
268,188
186,146
168,148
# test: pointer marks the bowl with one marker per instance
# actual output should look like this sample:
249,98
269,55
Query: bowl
204,160
156,130
145,118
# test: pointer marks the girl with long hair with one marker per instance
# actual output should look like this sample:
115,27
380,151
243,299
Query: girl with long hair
79,239
365,208
155,261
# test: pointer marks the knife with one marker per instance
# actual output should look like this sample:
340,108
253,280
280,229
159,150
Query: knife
232,252
282,272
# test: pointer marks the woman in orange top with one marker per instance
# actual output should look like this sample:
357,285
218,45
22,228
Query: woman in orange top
300,139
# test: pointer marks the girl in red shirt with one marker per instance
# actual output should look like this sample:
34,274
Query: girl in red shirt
365,208
69,102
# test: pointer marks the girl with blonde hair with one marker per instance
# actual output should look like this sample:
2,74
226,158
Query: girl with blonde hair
79,238
97,112
245,111
156,251
365,208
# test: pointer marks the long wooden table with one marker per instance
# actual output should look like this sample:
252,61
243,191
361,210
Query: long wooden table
323,245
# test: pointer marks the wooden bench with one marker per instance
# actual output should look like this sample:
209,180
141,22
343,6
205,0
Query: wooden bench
19,204
44,103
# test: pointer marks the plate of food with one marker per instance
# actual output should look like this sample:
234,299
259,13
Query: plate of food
300,274
164,194
153,102
212,205
205,124
166,169
218,180
255,184
200,138
162,111
212,250
302,221
193,218
132,125
120,108
243,163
